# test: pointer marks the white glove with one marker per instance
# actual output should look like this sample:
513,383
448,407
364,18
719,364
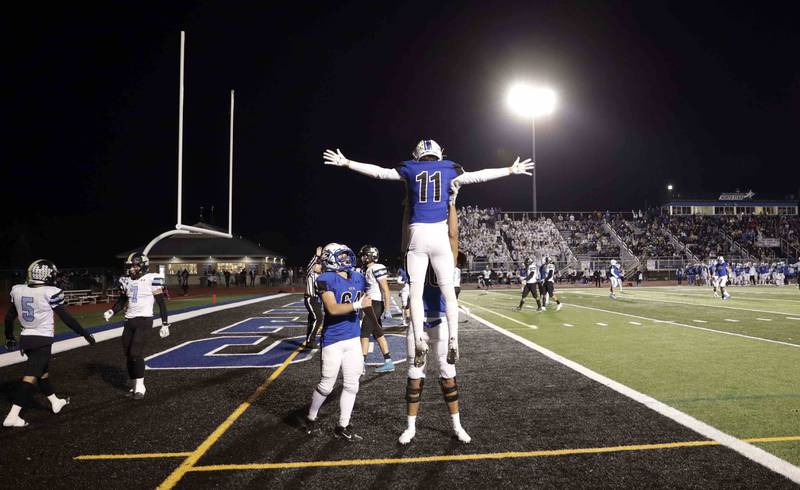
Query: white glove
387,315
108,314
522,167
335,158
164,332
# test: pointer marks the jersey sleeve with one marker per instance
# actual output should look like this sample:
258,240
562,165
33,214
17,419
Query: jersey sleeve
157,281
375,171
322,285
123,285
55,297
379,272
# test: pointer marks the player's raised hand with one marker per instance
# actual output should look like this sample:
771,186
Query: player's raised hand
522,167
335,158
108,314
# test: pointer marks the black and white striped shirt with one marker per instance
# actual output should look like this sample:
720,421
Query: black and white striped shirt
311,278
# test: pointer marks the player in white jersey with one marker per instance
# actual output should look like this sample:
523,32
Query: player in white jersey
436,335
139,291
550,281
530,284
34,304
615,277
376,275
429,182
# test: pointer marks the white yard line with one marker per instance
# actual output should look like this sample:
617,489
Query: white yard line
699,321
534,327
602,324
568,325
764,319
650,298
747,450
731,320
634,323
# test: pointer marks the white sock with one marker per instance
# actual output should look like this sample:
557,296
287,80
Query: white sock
456,421
412,422
14,412
346,403
317,399
138,385
53,399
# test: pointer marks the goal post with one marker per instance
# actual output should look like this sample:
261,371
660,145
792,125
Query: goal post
180,228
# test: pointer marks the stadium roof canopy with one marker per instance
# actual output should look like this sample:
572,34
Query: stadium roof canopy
204,246
732,199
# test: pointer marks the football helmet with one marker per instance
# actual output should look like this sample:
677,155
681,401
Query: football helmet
42,272
547,259
368,253
337,257
428,148
527,261
720,259
136,265
613,262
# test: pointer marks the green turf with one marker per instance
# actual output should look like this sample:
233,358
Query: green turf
745,387
95,318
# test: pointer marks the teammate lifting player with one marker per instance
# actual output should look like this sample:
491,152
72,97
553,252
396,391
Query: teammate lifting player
428,181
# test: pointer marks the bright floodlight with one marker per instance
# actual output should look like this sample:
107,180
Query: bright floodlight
669,187
530,101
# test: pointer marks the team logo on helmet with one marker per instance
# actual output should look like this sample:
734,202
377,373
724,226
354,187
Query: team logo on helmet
337,257
428,148
136,265
42,271
368,253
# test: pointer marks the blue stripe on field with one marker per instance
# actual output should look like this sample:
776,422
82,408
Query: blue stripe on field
109,326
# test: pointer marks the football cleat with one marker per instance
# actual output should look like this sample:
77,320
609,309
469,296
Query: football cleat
462,435
420,352
558,306
138,395
726,295
310,426
612,296
388,367
406,436
346,433
452,351
539,309
59,404
14,422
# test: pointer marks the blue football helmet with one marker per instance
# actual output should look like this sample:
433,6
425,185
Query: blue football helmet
337,257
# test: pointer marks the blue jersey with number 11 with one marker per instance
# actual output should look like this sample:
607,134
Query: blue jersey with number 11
428,188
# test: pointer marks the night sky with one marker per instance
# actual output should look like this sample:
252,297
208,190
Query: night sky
702,95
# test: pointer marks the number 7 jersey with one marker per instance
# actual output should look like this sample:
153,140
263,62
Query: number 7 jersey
141,294
428,188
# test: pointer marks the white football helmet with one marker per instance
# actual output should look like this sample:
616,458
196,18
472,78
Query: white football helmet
337,257
720,259
426,148
613,262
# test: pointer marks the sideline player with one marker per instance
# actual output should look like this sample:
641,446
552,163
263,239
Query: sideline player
402,278
378,291
429,181
550,281
436,334
615,276
530,284
139,291
722,276
34,304
341,290
311,300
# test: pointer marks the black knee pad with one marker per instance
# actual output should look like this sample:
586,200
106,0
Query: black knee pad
413,394
45,387
450,392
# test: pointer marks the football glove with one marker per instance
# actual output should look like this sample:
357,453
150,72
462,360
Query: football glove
164,332
387,315
11,343
108,314
522,167
335,158
90,339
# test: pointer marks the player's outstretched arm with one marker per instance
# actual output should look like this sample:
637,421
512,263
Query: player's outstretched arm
337,159
519,167
73,324
162,310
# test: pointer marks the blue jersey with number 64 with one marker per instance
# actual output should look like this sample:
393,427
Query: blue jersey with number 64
336,328
428,188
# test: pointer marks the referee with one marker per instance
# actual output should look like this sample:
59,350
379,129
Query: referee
311,300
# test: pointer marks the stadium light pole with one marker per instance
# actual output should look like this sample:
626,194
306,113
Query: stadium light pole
532,102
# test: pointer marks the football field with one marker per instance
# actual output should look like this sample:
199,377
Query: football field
657,389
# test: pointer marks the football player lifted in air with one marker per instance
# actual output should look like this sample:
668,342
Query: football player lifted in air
429,180
139,290
378,291
341,290
436,333
530,284
311,300
34,304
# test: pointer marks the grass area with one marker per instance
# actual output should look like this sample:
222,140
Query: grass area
94,318
747,387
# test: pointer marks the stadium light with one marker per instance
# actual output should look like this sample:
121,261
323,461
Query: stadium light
669,187
532,102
